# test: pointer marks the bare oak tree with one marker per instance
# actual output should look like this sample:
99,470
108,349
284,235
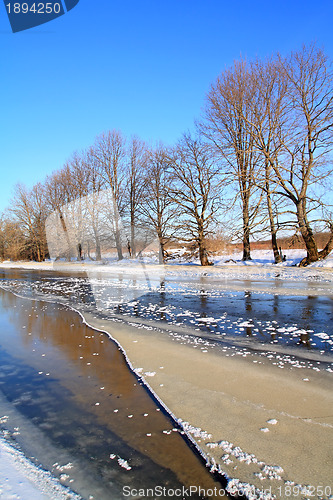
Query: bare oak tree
137,159
29,209
157,209
196,189
109,150
306,154
224,125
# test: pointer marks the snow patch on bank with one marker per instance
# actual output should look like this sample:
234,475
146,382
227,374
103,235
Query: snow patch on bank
20,479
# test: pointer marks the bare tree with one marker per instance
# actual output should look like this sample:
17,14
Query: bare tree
29,209
109,151
93,205
268,112
138,158
306,154
12,240
2,238
57,196
196,191
157,208
224,125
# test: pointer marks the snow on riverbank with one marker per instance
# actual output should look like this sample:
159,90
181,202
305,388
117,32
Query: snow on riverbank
20,479
260,259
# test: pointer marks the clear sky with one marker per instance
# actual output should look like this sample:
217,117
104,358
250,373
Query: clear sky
141,66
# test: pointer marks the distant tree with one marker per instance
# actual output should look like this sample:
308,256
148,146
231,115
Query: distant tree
109,151
157,209
12,240
29,209
196,191
137,159
58,195
2,238
94,203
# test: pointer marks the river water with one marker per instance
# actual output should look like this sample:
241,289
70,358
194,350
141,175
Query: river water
266,311
76,408
81,412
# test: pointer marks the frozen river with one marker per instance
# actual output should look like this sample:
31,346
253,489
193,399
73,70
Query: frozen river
68,395
256,311
70,402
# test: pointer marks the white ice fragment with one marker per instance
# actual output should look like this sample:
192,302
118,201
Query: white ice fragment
63,477
64,467
322,335
124,464
264,429
272,421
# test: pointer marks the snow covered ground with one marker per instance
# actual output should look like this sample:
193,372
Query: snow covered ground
260,258
20,479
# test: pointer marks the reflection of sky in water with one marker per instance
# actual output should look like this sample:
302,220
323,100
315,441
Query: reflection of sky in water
73,384
206,305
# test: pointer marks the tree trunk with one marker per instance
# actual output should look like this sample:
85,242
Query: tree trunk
246,241
98,247
203,256
64,227
161,253
133,249
307,235
246,229
116,230
202,246
329,245
275,248
118,244
277,255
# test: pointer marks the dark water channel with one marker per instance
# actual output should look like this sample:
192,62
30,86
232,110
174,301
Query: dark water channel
73,385
223,312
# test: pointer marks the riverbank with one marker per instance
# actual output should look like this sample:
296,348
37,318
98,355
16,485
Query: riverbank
20,479
262,425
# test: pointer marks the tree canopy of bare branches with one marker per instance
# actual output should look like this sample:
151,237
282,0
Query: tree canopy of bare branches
196,190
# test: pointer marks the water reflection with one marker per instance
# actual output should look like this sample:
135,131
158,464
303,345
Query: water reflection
268,317
74,384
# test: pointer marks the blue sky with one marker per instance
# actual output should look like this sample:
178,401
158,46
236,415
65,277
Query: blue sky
141,66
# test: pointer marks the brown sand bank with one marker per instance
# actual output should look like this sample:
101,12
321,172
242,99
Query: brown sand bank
270,425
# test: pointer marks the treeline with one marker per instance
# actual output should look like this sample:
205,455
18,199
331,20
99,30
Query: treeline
259,162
